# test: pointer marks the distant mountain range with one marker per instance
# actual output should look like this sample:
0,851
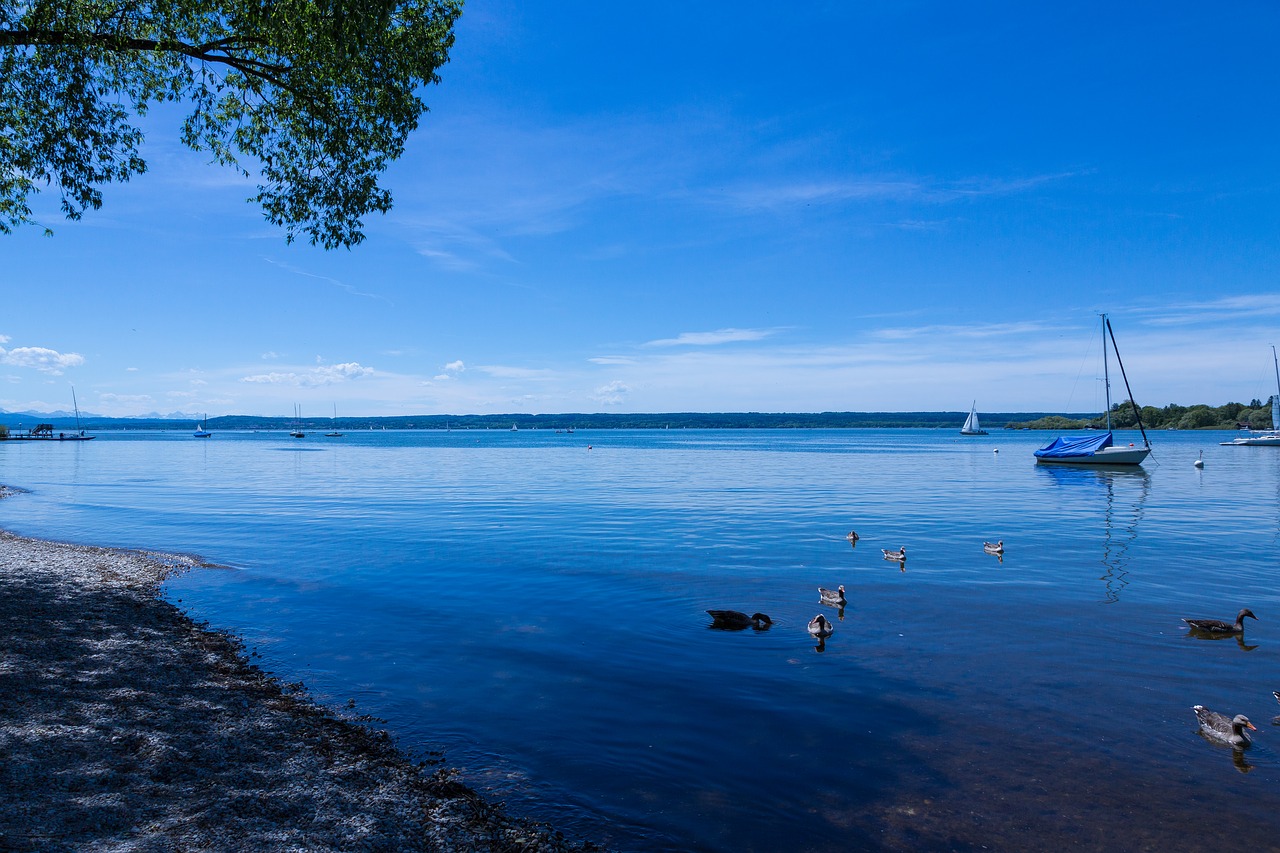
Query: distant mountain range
598,420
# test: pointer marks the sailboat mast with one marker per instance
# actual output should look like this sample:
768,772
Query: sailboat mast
1106,374
75,406
1137,413
1275,401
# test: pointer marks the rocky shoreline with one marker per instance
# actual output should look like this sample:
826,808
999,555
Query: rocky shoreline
126,726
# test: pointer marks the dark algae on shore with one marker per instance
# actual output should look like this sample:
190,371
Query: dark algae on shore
124,725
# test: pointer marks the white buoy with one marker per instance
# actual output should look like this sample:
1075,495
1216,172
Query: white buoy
995,450
1199,463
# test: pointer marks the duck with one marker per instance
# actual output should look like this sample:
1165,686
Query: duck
1223,729
853,536
820,627
733,620
834,597
993,547
1275,721
1217,626
899,555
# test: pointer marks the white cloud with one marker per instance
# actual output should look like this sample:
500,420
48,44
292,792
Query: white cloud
612,394
328,374
40,358
270,355
456,366
706,339
4,339
126,399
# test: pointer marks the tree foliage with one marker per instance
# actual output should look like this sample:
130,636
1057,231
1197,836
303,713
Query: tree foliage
315,97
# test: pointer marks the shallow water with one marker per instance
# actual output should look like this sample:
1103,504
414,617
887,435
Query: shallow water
532,604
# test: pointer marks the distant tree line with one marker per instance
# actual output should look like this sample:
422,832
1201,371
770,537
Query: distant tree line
1256,415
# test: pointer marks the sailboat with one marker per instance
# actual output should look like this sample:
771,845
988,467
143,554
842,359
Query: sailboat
335,433
971,426
297,432
1265,438
201,432
78,435
1098,449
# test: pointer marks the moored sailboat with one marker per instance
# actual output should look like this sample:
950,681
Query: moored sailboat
1098,448
1264,438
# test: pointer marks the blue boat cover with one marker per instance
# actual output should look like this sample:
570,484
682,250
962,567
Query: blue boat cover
1070,448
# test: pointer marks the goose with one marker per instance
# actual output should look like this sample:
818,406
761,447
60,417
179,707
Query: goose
853,536
834,597
733,620
1276,720
1217,626
1220,728
993,547
899,555
820,627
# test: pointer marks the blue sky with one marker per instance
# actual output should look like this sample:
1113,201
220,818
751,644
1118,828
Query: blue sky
716,206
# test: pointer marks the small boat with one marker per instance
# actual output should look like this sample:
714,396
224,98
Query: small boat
1220,728
734,620
1264,438
78,435
201,432
297,432
515,428
1099,448
834,597
971,426
900,555
1217,626
335,433
820,627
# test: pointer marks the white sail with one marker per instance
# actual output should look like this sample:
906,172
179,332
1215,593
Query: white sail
971,426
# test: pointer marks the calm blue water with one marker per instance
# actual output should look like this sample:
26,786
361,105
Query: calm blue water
535,609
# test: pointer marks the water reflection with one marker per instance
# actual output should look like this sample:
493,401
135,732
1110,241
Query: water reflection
1122,512
1205,635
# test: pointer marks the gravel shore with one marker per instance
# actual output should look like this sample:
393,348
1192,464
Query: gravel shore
126,726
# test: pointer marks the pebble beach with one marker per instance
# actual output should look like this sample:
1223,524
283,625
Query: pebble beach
127,726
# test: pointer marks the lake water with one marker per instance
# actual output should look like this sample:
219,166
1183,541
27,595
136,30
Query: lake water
532,604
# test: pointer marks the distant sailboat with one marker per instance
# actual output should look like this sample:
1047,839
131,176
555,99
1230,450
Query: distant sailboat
971,426
79,433
201,432
297,432
1265,438
335,433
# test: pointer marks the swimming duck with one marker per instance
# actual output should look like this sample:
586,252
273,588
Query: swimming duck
820,627
853,536
1217,626
993,547
1223,729
1275,721
899,555
834,597
733,620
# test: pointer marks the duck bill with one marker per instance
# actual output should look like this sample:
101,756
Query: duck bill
1252,726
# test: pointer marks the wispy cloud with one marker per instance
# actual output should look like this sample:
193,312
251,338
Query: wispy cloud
716,338
341,284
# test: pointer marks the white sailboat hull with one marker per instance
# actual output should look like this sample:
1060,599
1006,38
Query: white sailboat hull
1130,455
